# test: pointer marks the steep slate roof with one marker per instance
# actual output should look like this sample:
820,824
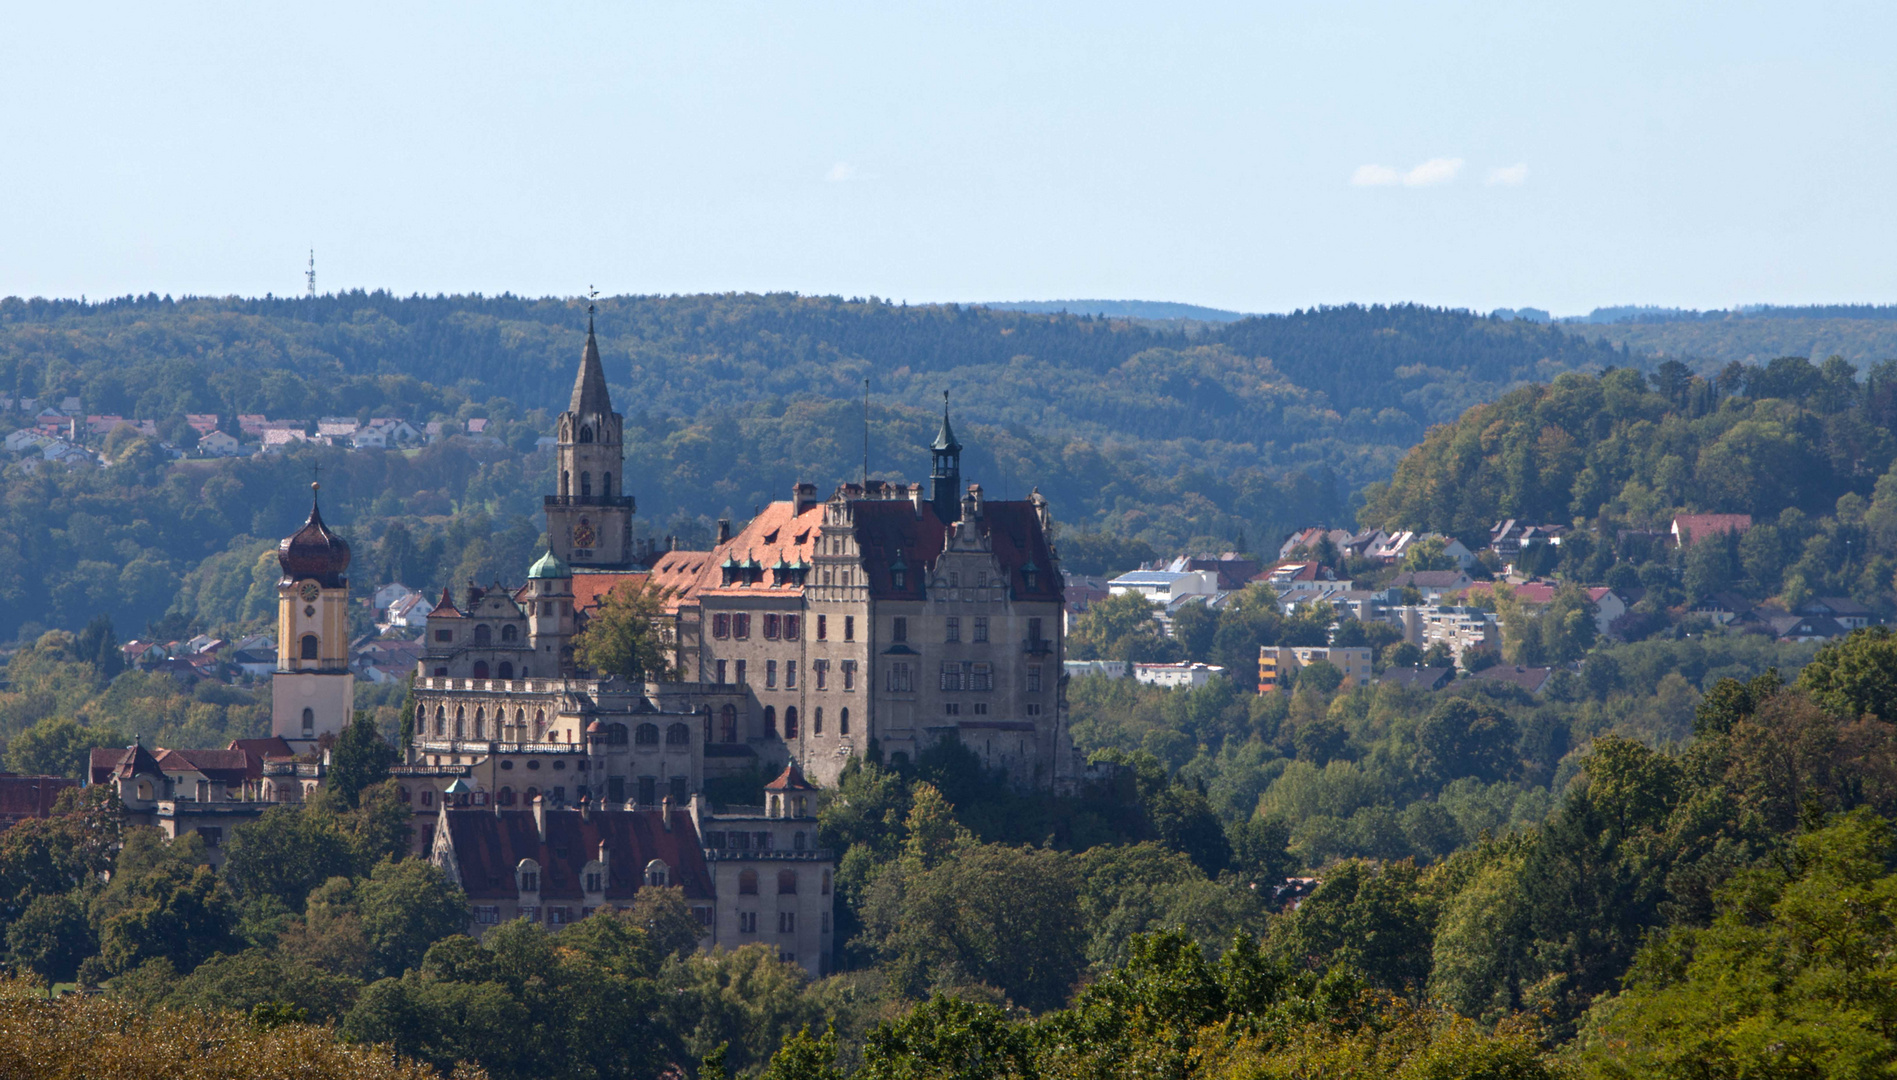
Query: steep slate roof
489,844
110,761
887,528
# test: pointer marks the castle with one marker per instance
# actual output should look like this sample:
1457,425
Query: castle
886,614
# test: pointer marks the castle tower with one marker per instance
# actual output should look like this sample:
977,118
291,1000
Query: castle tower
945,470
550,614
589,523
312,692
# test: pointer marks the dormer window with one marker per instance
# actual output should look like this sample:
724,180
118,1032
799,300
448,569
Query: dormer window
527,876
898,572
658,874
1028,574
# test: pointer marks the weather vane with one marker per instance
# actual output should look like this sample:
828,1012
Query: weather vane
592,294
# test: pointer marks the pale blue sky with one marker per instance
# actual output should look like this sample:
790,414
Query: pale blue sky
1250,156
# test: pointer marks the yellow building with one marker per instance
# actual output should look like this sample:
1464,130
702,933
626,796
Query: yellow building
1278,666
312,692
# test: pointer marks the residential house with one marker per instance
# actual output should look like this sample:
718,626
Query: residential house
1166,586
25,439
1508,538
276,440
1608,604
1418,678
1309,539
1278,665
1233,569
202,423
1802,628
390,593
410,612
1847,612
1688,528
1112,669
1433,584
1724,607
1174,676
1532,679
219,444
1301,581
1082,591
1395,547
337,430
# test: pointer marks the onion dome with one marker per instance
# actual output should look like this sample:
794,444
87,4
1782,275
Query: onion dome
549,566
314,552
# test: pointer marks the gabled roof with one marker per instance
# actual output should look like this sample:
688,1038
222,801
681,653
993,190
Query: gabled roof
444,608
490,844
1531,679
1419,678
791,779
108,762
590,589
30,796
229,766
890,528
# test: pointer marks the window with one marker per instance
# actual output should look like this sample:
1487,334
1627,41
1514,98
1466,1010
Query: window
213,835
741,625
646,735
1034,678
826,883
676,735
770,674
616,734
747,881
786,922
787,883
849,628
816,722
952,629
658,874
529,877
444,635
901,678
772,626
981,708
487,914
648,790
952,709
843,723
480,669
721,673
509,633
793,625
951,675
981,676
823,627
309,646
821,669
740,673
1033,709
826,922
586,484
955,580
981,628
1034,629
483,636
899,628
559,916
721,625
506,670
770,721
790,674
747,920
790,722
849,674
309,721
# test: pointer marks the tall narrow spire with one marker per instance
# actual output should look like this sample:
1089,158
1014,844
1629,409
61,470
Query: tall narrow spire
945,470
589,388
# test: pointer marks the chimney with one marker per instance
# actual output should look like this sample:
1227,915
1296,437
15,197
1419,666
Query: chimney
724,530
803,496
915,498
665,813
540,816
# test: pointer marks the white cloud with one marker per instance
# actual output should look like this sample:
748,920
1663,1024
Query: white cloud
1434,171
842,172
1375,176
1511,176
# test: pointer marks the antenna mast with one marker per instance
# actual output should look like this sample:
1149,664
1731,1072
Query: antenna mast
310,274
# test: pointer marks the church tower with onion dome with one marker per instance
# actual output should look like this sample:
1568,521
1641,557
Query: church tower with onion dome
589,523
312,692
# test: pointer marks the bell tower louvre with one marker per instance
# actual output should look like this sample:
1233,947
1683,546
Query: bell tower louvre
589,522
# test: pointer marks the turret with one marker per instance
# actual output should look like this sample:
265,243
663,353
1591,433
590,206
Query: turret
945,469
550,613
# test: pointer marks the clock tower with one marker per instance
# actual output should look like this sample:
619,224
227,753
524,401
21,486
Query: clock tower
589,523
312,692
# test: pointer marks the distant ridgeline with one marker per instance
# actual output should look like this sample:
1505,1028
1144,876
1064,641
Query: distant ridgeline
1136,432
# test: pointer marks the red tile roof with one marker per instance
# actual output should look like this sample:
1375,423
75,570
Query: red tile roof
29,796
1690,527
589,590
489,844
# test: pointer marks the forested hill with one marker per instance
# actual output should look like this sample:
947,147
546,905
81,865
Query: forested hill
1708,340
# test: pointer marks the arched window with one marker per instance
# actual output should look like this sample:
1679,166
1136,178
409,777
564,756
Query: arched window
787,883
843,721
790,722
509,634
566,483
506,797
678,735
615,734
309,721
441,720
586,433
480,723
144,792
483,635
658,874
586,485
606,483
527,876
520,721
747,883
540,725
770,719
646,735
309,646
480,669
728,723
460,723
506,670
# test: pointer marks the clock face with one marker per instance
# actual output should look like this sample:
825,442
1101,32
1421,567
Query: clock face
309,590
583,534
